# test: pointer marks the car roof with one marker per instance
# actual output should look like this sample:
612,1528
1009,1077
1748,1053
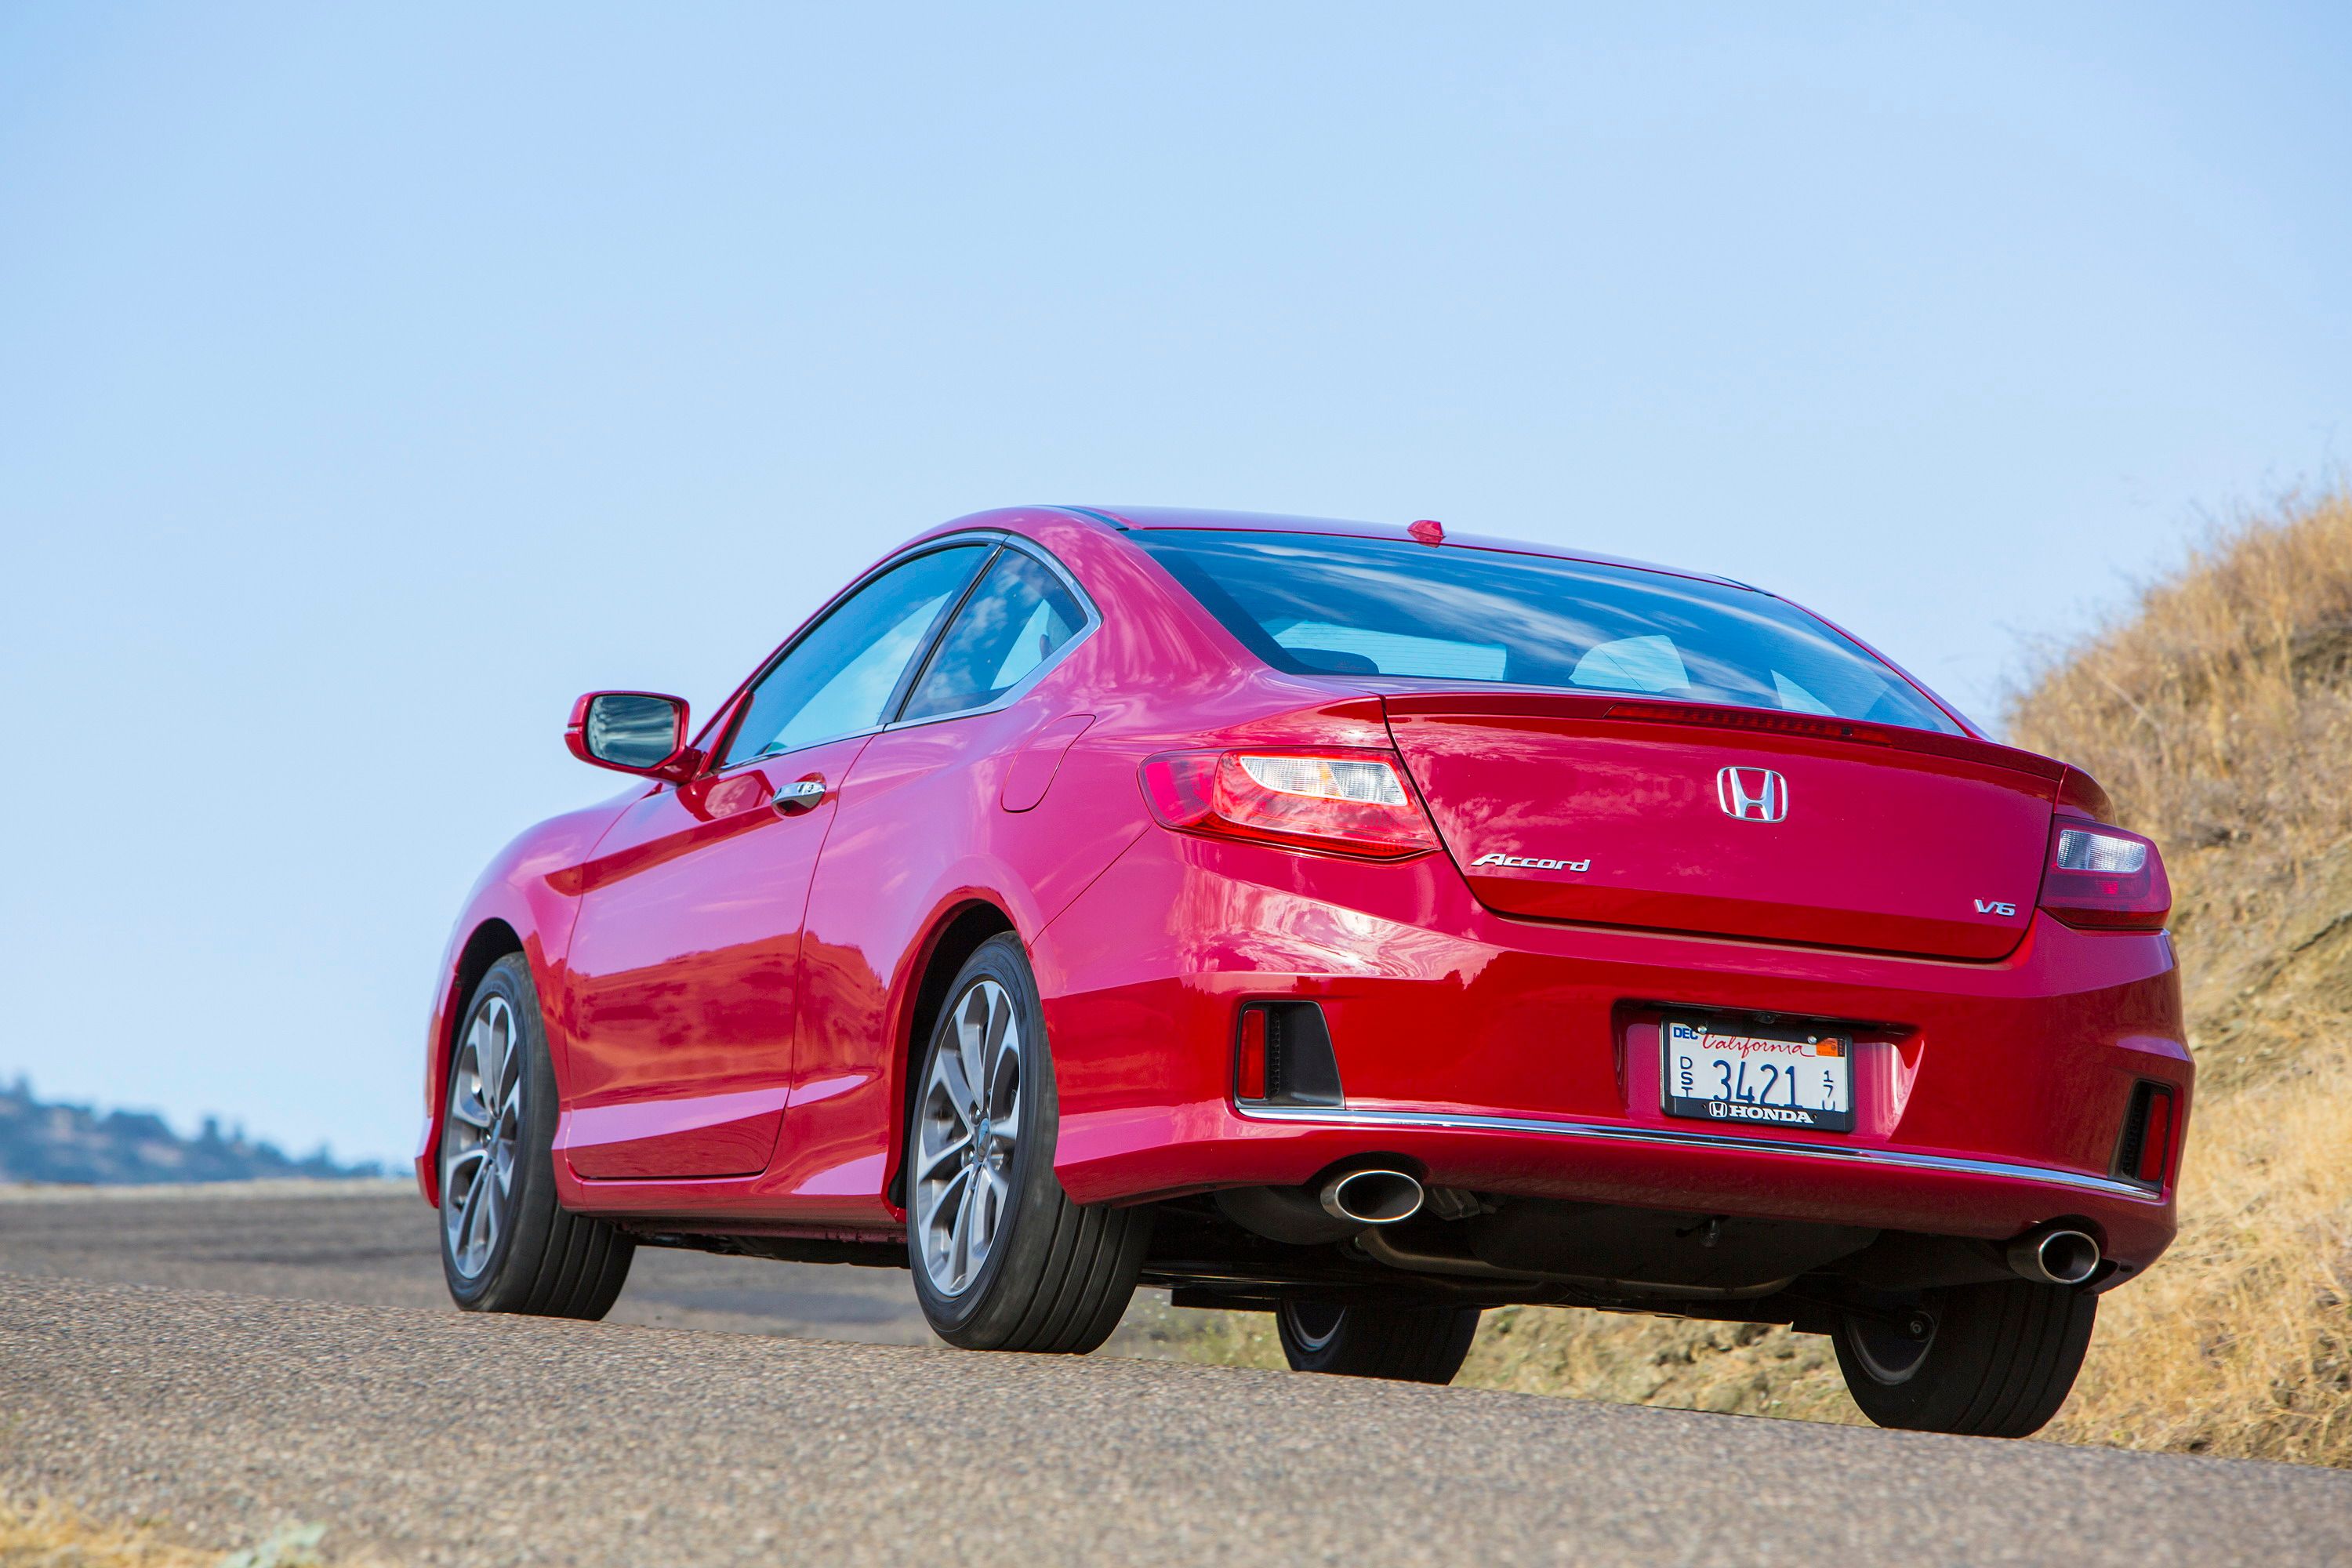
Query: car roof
1127,517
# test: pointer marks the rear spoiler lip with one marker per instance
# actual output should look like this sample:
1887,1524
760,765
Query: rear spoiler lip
1597,709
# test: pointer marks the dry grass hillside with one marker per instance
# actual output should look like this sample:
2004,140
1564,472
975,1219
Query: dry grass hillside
2219,714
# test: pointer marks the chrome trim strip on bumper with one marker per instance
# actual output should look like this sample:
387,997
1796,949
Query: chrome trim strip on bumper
1672,1137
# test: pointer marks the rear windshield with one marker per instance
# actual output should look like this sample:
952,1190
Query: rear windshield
1317,603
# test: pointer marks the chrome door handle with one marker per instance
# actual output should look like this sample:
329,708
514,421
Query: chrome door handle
804,792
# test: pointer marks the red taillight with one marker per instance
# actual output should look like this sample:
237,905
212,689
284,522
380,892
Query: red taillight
2103,879
1249,1057
1344,802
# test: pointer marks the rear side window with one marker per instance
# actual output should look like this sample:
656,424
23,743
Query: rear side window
1315,603
1017,618
840,676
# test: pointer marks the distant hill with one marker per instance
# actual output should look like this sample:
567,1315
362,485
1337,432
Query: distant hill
41,1143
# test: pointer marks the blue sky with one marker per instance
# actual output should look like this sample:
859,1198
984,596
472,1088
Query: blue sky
373,381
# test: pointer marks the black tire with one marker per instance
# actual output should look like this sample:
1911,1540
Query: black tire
1996,1361
538,1258
1055,1276
1408,1344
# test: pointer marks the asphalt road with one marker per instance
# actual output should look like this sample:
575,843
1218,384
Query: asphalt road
372,1244
358,1399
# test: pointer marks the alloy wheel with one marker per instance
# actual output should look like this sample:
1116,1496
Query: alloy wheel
966,1135
485,1126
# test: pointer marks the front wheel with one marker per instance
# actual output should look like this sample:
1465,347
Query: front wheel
1991,1361
507,1246
1409,1344
1003,1260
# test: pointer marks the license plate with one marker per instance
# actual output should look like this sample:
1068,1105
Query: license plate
1759,1078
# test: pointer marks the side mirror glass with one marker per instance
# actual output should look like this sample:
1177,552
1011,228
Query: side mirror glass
632,732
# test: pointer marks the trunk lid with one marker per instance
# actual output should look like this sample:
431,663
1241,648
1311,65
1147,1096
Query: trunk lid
1615,812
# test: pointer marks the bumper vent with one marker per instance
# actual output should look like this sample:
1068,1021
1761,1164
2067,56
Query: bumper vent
1283,1055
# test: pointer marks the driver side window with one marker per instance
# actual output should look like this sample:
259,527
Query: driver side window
838,679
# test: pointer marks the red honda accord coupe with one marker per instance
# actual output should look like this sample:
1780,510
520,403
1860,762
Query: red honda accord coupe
1361,925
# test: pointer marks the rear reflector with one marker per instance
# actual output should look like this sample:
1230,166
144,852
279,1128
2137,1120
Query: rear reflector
2145,1147
1340,801
1249,1066
2103,879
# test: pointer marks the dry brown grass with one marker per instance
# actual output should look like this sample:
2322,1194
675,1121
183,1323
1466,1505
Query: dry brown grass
2219,714
2220,717
44,1533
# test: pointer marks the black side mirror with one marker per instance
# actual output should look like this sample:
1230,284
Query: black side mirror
630,732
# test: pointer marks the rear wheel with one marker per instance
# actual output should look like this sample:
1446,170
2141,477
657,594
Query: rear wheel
507,1246
1409,1344
1003,1260
1992,1361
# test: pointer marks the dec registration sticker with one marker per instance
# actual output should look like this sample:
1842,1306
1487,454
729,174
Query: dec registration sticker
1759,1078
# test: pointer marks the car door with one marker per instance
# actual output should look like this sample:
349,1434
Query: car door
930,800
683,968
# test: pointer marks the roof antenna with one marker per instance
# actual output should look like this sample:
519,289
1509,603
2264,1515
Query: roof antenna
1429,530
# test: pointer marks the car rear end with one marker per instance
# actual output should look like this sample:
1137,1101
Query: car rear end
1683,953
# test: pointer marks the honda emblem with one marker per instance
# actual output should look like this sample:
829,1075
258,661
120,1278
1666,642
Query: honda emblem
1752,795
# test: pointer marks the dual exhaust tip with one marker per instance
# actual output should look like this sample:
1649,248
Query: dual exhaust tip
2054,1256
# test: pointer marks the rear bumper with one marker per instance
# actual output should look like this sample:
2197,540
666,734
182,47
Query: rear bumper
1520,1057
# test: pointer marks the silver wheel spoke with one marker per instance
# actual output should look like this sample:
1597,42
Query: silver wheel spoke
955,1094
960,1238
988,1196
993,1035
470,1213
481,1219
465,1105
467,1102
944,1205
934,1161
971,1023
1004,1089
497,1048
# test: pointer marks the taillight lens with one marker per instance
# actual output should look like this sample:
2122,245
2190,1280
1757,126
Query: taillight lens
1341,801
2103,879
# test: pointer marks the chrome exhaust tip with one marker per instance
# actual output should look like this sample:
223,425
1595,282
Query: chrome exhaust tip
2054,1257
1372,1196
